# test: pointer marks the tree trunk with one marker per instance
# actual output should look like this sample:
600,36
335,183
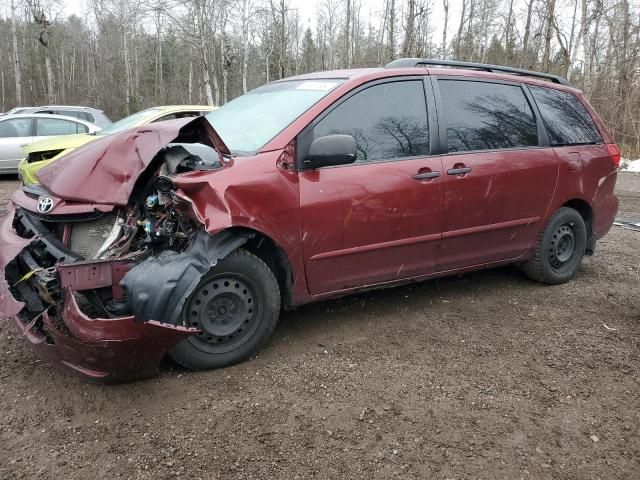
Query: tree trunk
223,64
407,44
204,58
2,94
127,71
245,43
507,31
62,82
347,60
206,79
468,42
159,72
527,34
460,27
589,46
392,32
548,34
283,39
51,94
443,49
190,83
575,40
16,56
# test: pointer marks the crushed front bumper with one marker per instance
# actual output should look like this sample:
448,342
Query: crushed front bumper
104,350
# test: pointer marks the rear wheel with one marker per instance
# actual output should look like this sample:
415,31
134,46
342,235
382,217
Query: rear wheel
235,307
560,248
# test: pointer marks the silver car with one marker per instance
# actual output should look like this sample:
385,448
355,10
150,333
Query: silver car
23,129
88,114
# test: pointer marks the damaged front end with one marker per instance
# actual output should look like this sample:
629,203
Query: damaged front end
97,285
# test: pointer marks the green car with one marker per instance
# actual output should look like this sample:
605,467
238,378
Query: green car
41,154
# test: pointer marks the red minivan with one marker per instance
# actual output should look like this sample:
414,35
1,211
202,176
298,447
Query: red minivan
187,237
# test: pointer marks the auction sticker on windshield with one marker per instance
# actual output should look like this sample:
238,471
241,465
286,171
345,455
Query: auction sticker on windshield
322,86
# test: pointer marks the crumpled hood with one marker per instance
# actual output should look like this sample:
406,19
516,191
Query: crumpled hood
105,171
59,143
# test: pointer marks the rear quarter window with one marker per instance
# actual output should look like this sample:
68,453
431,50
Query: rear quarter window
566,119
86,116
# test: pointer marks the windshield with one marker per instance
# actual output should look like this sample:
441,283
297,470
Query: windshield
247,123
138,118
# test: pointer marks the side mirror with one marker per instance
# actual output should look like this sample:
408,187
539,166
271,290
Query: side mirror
331,150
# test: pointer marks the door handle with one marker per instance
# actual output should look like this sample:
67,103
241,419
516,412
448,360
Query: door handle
426,175
458,171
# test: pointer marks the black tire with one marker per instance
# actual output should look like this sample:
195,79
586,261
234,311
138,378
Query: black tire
559,250
236,308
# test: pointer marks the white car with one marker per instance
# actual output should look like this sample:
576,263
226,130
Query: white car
23,129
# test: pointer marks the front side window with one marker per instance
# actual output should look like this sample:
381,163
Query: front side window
55,126
387,121
565,118
248,122
486,116
16,127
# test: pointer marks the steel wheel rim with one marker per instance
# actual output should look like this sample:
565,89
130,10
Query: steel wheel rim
563,246
226,310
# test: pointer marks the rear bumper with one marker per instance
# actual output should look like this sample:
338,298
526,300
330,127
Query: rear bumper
104,350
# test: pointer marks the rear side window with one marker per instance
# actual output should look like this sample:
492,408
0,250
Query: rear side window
387,121
57,126
66,113
565,117
486,116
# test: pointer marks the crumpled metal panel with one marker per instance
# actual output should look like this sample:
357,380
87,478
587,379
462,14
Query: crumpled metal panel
10,246
119,351
105,170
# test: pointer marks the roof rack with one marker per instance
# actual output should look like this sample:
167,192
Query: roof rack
416,62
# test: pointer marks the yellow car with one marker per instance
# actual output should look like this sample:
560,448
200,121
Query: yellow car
40,154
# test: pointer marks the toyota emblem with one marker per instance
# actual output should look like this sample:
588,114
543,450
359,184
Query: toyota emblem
45,204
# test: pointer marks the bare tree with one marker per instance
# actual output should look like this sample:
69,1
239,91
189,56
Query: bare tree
550,9
246,14
41,14
443,48
16,56
347,21
391,35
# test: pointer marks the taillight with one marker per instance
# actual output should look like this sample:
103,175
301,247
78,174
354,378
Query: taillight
614,153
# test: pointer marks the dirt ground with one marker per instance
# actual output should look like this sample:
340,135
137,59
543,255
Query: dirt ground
486,375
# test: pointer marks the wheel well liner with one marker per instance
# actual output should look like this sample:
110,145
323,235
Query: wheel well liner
267,250
584,209
157,287
586,212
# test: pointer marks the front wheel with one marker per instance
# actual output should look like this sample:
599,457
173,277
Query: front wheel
235,307
560,248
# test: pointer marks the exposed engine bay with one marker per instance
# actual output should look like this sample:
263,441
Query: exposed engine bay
137,262
99,259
